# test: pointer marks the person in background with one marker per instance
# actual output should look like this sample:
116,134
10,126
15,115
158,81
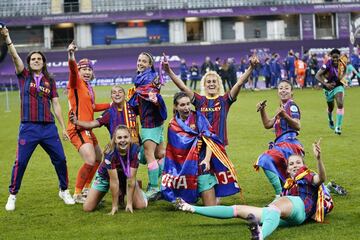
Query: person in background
331,77
183,71
206,66
194,75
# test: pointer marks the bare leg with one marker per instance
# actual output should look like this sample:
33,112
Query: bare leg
93,200
139,198
208,197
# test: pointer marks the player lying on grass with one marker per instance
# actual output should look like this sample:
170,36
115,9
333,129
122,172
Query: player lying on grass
304,197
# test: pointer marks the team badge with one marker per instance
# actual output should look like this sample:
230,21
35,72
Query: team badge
22,141
107,162
294,108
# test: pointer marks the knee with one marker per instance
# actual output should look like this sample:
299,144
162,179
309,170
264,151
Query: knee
160,154
87,207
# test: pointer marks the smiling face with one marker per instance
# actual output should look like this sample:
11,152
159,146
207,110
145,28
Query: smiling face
295,162
183,107
117,95
211,85
36,62
86,73
143,62
285,91
122,139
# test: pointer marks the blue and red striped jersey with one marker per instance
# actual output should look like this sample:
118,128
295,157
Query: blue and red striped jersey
36,100
216,111
113,161
149,112
305,189
281,126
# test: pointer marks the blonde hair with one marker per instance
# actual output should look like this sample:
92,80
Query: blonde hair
202,83
110,147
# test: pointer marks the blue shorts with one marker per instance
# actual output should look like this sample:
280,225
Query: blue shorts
206,182
154,134
101,184
330,95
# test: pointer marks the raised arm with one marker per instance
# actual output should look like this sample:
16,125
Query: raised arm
321,176
58,113
130,189
234,92
178,82
267,122
19,65
73,75
114,188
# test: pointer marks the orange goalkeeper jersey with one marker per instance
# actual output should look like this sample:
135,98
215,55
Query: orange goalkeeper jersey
81,97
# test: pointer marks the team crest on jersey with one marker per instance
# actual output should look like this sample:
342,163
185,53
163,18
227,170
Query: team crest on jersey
22,141
294,108
107,162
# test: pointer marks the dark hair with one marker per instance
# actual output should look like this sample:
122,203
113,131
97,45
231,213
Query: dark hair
179,95
44,68
151,59
288,82
335,51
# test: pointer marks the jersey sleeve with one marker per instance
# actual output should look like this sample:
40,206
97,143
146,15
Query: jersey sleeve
110,162
22,76
197,100
104,119
134,159
294,111
53,90
73,74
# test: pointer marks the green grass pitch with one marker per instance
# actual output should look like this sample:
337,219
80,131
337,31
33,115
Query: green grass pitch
40,214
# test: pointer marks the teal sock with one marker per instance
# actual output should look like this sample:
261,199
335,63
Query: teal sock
270,219
161,163
216,211
339,118
153,177
274,180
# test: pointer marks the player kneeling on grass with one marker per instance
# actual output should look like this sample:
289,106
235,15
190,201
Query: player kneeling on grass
118,172
304,197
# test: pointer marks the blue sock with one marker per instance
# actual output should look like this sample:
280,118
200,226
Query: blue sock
274,180
216,211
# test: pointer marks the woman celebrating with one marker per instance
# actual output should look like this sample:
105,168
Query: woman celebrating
331,75
196,163
146,100
37,94
212,102
305,197
82,103
120,113
117,171
286,124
